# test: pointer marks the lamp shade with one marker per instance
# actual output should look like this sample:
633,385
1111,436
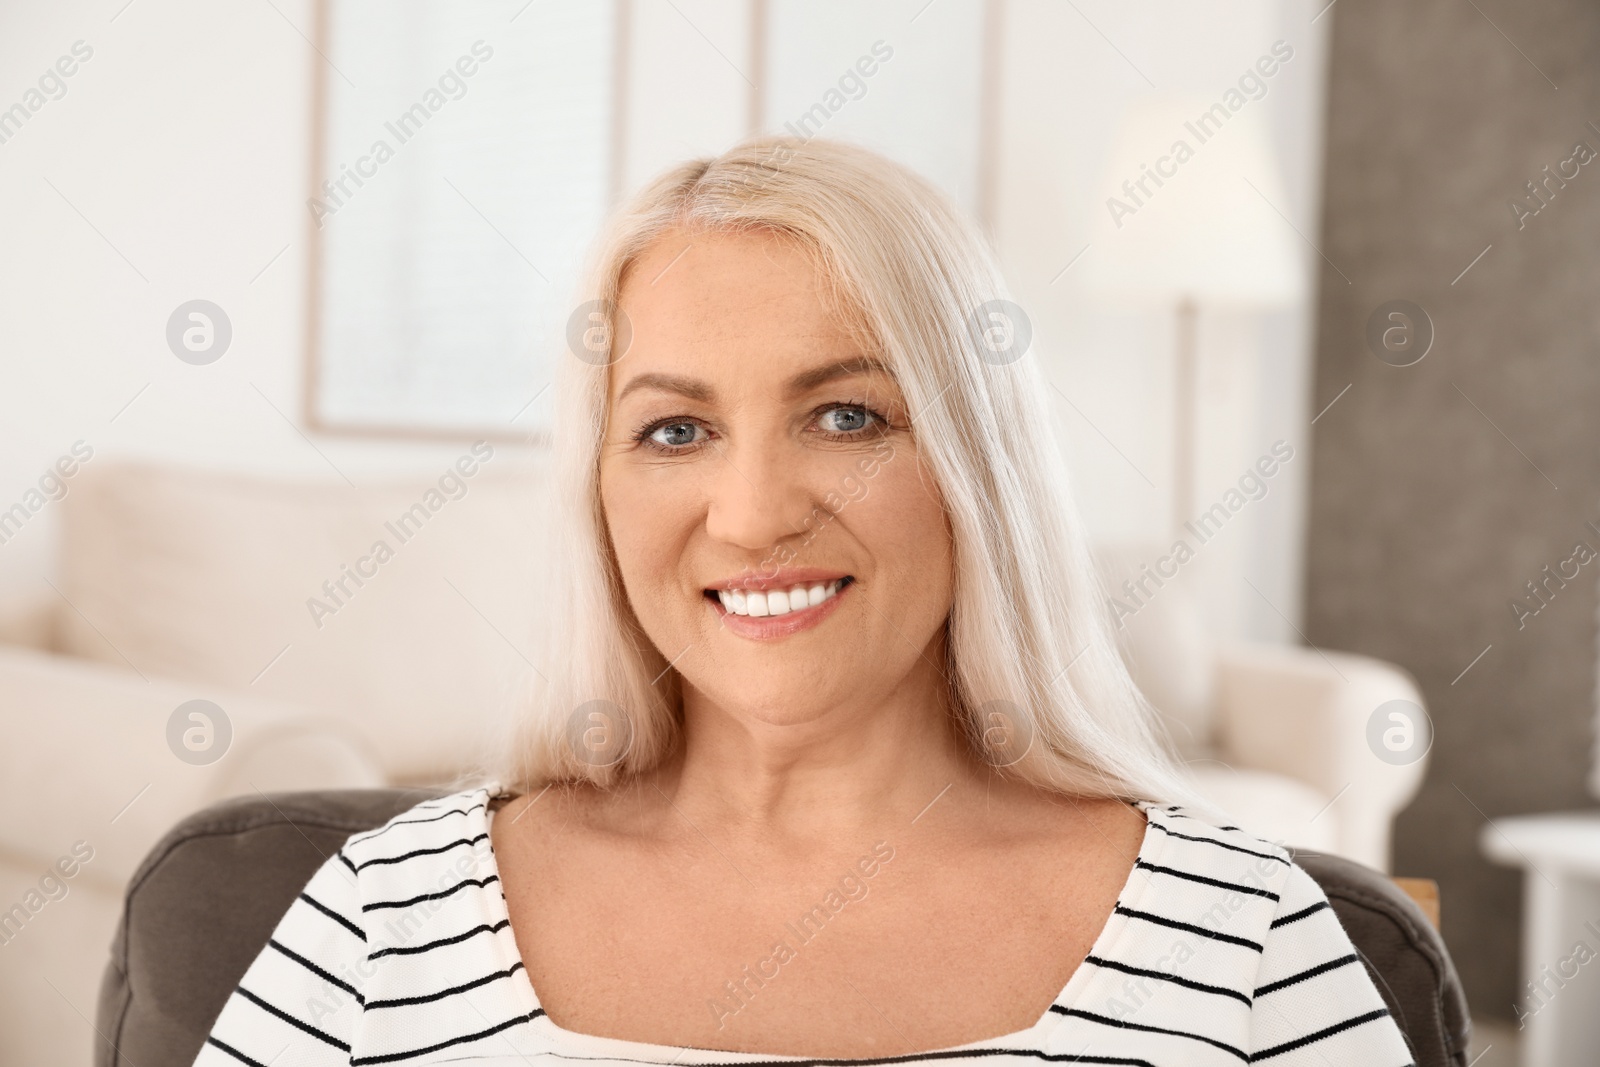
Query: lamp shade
1191,201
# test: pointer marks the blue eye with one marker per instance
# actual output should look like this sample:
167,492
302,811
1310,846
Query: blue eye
675,434
845,419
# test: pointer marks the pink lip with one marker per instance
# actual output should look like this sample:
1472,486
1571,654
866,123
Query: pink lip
783,578
777,627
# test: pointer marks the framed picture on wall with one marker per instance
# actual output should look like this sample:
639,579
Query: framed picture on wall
465,156
461,167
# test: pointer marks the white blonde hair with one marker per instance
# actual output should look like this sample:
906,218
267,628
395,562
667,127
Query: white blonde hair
1028,622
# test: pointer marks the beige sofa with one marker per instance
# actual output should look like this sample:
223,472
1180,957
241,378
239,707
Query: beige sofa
336,664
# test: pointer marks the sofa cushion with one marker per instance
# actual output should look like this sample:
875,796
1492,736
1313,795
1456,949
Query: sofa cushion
404,609
91,756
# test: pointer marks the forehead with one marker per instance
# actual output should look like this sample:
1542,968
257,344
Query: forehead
715,303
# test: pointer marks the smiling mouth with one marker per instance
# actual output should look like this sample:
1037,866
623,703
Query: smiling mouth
770,603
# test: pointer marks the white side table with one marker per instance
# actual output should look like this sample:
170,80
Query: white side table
1560,988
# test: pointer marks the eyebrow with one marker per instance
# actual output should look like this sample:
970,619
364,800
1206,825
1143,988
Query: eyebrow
804,382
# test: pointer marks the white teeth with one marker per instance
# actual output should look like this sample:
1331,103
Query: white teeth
776,601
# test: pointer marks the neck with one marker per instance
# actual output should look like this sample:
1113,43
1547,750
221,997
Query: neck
879,757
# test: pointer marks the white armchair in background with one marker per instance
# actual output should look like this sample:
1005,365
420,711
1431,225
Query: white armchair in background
1275,735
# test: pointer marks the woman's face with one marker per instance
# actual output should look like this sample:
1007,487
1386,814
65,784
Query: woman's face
780,541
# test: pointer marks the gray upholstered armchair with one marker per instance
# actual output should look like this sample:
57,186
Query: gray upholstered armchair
208,896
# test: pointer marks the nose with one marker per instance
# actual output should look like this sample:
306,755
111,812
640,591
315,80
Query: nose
759,498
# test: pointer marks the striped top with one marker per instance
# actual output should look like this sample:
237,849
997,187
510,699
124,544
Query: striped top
1219,951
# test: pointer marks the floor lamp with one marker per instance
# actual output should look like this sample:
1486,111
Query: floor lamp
1192,227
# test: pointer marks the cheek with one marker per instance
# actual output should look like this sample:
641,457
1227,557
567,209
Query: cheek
902,522
647,528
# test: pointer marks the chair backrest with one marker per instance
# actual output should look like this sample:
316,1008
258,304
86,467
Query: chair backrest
209,895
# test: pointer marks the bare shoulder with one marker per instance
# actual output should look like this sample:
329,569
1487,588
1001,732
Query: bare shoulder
1094,835
569,812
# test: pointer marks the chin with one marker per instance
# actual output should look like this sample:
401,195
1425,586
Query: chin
782,697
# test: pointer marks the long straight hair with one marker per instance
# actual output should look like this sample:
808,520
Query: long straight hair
1028,629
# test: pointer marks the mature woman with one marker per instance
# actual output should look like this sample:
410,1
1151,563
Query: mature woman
833,754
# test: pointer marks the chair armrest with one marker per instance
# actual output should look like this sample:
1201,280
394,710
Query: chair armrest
204,903
1304,713
87,758
1405,955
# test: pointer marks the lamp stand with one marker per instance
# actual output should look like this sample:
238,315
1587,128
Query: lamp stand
1186,405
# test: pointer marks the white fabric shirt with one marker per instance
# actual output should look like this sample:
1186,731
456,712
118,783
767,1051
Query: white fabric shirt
400,950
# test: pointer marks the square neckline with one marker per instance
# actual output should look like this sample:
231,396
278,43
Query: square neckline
660,1055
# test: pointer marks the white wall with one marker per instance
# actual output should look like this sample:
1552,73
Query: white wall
175,167
182,149
1070,73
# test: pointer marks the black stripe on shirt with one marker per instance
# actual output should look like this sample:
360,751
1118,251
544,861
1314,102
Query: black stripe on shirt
1220,844
1203,880
1301,1042
314,969
1176,813
1174,979
380,831
292,1021
1161,920
1312,972
1297,916
335,916
441,994
437,802
440,895
419,852
409,950
1123,1024
235,1053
